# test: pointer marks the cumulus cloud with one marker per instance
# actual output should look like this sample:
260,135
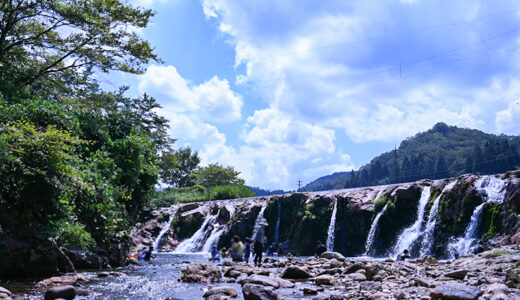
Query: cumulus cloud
377,71
211,101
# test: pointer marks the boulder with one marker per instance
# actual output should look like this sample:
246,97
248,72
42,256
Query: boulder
456,291
355,267
457,274
5,293
420,281
200,273
310,290
357,277
325,280
60,292
370,286
83,259
258,292
295,272
333,255
222,290
267,281
60,281
430,260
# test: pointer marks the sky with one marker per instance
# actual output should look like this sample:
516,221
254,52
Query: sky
287,90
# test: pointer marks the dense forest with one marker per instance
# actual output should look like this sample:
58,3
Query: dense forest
78,164
440,152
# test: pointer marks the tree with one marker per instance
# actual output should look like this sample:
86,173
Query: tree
176,167
45,43
214,175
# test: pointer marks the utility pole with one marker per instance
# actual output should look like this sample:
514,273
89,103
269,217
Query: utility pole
299,184
395,165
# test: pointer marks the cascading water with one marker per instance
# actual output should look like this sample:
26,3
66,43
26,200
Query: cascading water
218,230
332,228
427,242
372,232
410,234
494,191
258,219
277,227
195,243
164,229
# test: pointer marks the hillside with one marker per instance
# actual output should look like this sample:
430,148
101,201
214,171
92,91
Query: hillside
440,152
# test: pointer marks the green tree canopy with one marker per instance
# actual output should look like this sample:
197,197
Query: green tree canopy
214,175
48,44
176,167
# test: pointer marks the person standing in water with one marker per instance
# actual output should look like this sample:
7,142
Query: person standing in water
320,249
247,249
146,254
214,255
403,256
259,242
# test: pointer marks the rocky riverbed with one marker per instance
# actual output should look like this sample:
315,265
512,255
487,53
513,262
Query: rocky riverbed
493,274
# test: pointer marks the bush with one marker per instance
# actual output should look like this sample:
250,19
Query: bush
72,234
230,192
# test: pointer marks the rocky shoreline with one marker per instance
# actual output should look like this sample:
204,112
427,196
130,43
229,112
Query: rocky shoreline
489,275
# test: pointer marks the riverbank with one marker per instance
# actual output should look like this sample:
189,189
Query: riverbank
489,275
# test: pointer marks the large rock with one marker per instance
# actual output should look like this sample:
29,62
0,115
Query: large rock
333,255
200,273
84,259
60,292
5,293
258,292
222,290
60,281
325,280
268,281
457,274
26,255
456,291
295,272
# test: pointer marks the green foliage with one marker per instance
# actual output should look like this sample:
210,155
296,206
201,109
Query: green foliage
230,192
176,167
72,234
380,203
43,44
214,175
497,253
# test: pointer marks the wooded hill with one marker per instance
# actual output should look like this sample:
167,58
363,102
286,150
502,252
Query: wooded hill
443,151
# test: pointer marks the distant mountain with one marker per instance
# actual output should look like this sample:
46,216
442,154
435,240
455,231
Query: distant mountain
261,192
443,151
329,182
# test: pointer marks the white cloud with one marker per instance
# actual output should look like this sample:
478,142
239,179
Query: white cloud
212,101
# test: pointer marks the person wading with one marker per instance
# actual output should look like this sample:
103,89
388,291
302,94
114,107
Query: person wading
259,242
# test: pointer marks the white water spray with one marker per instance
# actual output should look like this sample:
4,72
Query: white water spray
332,228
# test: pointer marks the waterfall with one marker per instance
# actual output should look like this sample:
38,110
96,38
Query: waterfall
258,219
332,228
195,243
372,232
277,227
494,191
164,229
218,230
432,220
410,234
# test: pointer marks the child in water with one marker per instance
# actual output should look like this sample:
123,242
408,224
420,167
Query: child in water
247,250
215,255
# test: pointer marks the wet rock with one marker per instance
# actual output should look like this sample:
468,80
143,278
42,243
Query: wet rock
60,281
200,273
370,286
455,291
5,293
457,274
333,255
258,292
420,281
325,280
103,274
357,277
310,290
267,281
379,296
355,267
294,272
60,292
222,290
430,260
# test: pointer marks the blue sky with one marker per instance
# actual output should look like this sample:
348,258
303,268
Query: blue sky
286,90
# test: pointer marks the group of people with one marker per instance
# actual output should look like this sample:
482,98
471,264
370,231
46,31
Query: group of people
240,251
